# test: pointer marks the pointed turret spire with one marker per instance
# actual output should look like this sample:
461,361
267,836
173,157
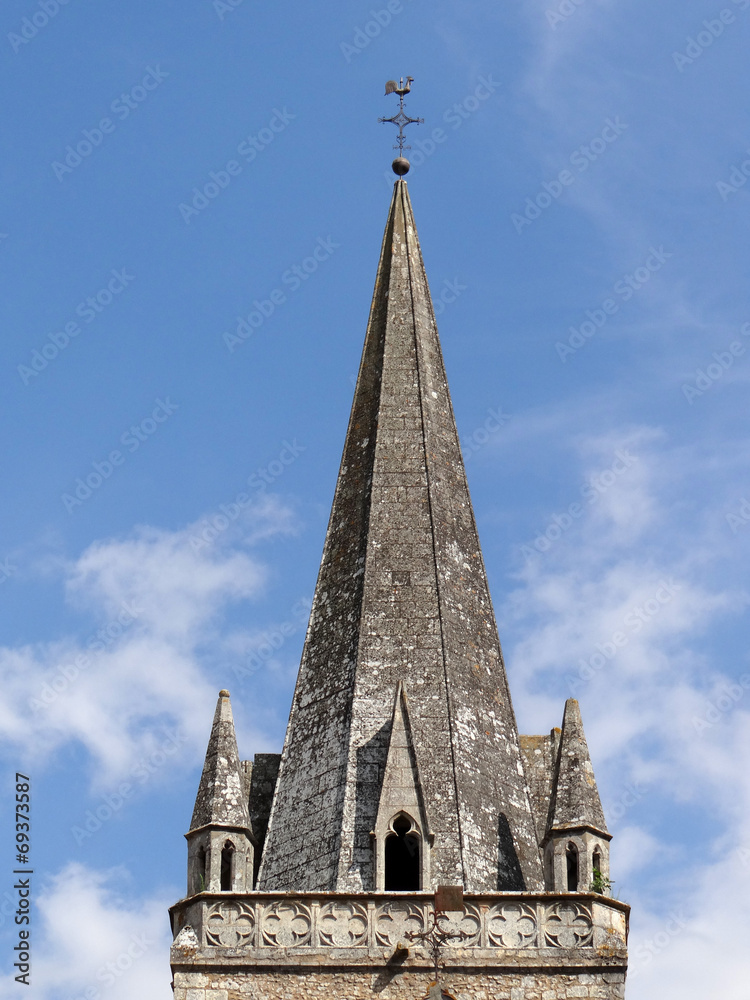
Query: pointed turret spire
575,801
221,799
401,596
576,842
220,838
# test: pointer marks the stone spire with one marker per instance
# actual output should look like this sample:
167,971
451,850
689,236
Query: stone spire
575,797
401,597
220,839
221,799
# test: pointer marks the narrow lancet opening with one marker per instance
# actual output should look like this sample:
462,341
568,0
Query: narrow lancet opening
402,861
571,860
200,881
227,865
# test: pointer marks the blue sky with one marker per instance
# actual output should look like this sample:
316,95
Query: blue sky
174,171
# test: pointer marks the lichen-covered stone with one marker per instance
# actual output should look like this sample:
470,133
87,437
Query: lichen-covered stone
402,596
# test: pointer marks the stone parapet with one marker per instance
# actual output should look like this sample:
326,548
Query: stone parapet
367,930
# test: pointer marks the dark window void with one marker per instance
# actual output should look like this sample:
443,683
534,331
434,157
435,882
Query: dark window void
571,860
201,872
227,859
402,868
597,864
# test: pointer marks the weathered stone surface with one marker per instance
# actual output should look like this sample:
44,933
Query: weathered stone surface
262,930
221,798
540,756
397,984
401,597
401,713
576,800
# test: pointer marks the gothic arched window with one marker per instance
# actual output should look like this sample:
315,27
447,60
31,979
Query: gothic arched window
597,861
227,865
571,862
402,861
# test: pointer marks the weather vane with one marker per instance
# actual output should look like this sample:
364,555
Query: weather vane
401,164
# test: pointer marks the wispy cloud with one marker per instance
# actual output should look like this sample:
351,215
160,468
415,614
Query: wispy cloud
158,603
94,940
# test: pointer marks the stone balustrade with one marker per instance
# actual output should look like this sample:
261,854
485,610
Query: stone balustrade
501,929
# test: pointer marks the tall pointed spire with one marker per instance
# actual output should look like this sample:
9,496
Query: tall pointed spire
401,596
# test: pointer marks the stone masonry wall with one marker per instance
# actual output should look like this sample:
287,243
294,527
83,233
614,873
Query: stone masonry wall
390,985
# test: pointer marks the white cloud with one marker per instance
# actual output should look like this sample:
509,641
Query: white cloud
93,942
667,719
158,598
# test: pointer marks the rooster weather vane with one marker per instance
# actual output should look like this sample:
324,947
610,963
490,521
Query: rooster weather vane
401,164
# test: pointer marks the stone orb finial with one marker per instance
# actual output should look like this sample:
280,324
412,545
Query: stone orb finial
400,166
223,693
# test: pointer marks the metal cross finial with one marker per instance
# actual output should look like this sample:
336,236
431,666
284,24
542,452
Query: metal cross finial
435,937
401,119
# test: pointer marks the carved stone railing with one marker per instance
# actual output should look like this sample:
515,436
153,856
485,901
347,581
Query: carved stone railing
260,929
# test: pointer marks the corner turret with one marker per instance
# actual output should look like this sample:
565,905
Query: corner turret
220,839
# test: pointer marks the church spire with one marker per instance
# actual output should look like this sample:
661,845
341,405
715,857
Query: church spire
401,598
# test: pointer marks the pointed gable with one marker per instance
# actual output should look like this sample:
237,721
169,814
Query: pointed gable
575,801
401,790
402,595
221,799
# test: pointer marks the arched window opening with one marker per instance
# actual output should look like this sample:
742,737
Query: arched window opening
201,871
402,862
597,862
227,864
571,861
